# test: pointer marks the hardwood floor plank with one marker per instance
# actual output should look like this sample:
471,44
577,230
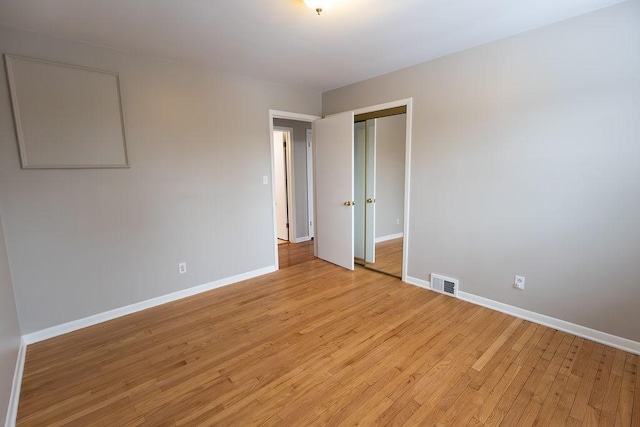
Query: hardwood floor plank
625,402
398,415
491,373
555,361
591,417
490,403
509,396
563,408
570,359
434,385
610,403
495,346
530,414
635,415
591,362
290,254
517,410
598,392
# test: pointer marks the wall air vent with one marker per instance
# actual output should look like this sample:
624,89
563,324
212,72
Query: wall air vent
445,285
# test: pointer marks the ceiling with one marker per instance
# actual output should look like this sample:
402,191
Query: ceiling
283,40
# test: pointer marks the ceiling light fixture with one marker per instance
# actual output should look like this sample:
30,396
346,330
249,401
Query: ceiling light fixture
317,5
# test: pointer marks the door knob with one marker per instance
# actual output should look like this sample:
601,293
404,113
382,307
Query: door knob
349,203
370,200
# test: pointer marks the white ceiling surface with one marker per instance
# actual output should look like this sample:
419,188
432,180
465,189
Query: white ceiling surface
285,41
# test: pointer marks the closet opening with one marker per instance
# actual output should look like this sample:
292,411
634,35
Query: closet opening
379,189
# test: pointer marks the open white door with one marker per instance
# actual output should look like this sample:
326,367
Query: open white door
333,141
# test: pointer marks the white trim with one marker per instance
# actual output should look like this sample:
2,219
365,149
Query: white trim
407,187
314,195
417,282
277,114
407,171
552,322
14,397
310,218
274,212
385,106
389,237
74,325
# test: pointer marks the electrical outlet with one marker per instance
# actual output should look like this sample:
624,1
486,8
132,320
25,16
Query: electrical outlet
519,283
397,221
182,267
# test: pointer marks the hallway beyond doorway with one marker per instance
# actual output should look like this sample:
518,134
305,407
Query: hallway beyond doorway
294,253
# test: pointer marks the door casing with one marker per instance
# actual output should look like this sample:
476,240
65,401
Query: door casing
278,114
310,195
408,102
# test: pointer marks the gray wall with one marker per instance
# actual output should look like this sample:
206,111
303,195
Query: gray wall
9,329
299,154
390,154
81,242
526,161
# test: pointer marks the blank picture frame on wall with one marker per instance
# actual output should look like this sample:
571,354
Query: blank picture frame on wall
66,116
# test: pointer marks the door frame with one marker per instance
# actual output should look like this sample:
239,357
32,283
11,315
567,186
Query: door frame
289,181
310,204
408,102
278,114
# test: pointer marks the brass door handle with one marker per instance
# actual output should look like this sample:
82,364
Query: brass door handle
349,203
370,200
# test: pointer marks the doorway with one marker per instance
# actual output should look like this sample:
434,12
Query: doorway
291,146
379,169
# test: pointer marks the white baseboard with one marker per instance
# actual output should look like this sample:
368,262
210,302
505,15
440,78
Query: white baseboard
389,237
74,325
552,322
12,409
418,282
541,319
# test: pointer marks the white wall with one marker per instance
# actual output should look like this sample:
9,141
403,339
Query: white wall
82,242
525,160
9,329
299,154
390,154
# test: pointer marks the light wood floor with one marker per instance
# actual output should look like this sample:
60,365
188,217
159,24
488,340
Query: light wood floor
317,345
294,253
389,257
